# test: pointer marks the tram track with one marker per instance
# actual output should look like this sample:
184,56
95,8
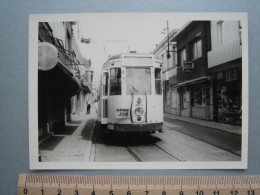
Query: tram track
133,154
138,159
150,148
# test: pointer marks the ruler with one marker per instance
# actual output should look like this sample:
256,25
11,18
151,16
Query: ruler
137,185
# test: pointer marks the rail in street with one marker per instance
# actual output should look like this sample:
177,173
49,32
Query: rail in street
179,141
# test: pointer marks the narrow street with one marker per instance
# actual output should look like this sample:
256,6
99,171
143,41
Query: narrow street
84,140
180,141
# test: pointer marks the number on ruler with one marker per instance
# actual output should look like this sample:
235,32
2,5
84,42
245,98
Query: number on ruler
199,193
76,192
146,192
111,192
59,192
234,192
181,193
25,191
163,193
250,192
216,193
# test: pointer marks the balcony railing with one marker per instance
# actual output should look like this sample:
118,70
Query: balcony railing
68,57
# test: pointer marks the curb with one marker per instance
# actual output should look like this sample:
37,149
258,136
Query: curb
87,155
236,132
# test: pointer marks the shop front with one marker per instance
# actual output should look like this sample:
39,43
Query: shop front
195,99
56,86
227,88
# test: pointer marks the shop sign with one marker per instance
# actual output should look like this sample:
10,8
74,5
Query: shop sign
187,66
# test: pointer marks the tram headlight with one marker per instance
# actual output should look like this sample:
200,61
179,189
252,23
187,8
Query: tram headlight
139,111
139,100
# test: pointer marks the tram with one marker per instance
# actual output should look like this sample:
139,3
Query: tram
130,93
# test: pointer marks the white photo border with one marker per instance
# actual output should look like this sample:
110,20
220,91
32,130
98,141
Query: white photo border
34,19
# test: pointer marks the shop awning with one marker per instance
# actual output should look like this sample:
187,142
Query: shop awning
85,88
59,80
194,81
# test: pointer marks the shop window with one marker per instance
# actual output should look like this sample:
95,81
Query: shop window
229,105
185,99
174,98
157,77
201,96
197,49
222,97
207,96
115,81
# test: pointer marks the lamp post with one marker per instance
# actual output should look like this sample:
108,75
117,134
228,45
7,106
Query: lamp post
168,43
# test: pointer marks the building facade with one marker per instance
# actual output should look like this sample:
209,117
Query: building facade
59,75
167,51
204,80
193,82
85,95
225,68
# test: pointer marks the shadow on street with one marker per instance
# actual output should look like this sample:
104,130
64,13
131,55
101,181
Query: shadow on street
51,143
86,131
109,138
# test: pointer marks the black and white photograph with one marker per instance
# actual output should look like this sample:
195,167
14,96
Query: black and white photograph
138,91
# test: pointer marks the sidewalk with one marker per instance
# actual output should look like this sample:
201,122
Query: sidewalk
73,143
220,126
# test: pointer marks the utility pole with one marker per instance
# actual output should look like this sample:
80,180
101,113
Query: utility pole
168,41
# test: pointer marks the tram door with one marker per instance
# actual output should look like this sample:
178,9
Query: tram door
104,99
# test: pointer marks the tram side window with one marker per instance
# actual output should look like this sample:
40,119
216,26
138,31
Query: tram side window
157,76
105,83
115,81
105,111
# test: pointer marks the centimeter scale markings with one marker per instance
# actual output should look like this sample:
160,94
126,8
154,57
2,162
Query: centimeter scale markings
137,185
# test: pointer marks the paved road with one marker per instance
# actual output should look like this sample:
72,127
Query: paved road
227,141
180,141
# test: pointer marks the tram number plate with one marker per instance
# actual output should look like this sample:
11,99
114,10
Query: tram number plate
122,113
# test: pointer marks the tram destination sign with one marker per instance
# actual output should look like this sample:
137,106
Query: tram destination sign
122,113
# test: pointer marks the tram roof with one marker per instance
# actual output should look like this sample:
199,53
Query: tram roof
119,56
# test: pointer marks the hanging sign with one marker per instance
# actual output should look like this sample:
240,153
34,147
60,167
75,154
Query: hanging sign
47,56
187,66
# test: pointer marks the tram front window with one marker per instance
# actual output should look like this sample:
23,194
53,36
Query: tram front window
138,81
115,81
